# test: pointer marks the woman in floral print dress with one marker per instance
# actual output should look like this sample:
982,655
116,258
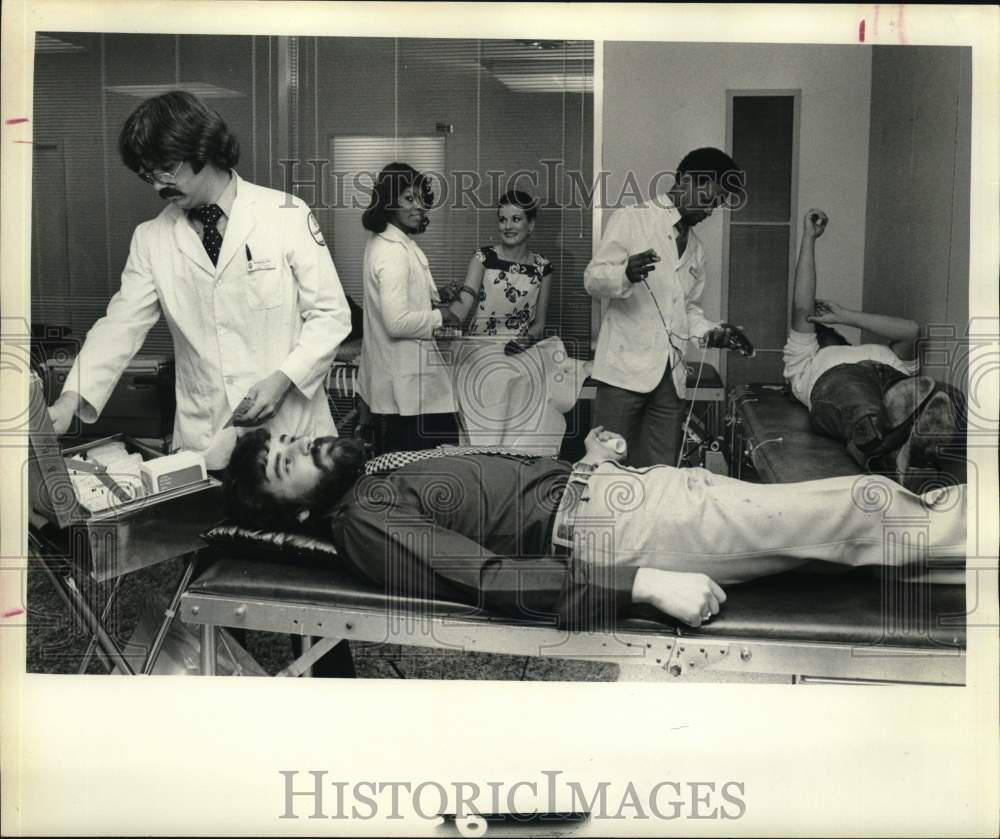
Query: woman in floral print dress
511,386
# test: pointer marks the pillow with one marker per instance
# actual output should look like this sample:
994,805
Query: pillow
288,543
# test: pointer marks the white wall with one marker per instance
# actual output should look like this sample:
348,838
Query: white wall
662,100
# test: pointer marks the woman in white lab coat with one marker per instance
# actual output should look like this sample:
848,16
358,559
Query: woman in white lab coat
404,376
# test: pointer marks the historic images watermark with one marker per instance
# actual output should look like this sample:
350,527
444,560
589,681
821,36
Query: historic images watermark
312,794
322,186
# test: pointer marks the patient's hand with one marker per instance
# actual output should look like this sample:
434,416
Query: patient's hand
828,312
691,598
814,224
604,445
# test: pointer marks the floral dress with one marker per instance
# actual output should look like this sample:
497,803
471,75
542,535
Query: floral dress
508,295
516,401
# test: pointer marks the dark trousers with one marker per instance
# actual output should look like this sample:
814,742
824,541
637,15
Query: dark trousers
847,405
423,431
651,422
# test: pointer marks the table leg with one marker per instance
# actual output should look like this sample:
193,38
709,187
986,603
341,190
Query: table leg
168,615
307,643
308,658
207,650
89,652
68,590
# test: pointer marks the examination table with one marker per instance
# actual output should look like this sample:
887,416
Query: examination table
799,626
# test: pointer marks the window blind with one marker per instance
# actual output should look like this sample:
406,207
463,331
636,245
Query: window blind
483,114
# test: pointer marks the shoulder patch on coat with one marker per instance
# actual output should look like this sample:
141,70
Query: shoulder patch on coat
314,229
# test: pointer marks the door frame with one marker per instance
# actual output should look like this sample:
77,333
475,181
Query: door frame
732,93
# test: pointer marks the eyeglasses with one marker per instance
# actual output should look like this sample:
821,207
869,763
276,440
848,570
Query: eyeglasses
161,176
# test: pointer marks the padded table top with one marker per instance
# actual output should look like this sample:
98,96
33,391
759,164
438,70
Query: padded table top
785,447
851,608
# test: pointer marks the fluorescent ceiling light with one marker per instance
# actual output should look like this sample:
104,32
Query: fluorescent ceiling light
539,82
202,89
541,66
537,66
46,43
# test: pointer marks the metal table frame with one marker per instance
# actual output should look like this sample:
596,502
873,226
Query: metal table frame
643,654
64,574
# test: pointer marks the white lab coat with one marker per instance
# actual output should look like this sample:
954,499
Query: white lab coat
634,344
402,371
231,326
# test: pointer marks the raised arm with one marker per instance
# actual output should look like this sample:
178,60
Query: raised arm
804,293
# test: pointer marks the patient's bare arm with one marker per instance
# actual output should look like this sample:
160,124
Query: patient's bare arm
804,295
902,333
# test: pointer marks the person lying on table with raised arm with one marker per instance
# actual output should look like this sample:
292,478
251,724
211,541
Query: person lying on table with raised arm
533,536
868,396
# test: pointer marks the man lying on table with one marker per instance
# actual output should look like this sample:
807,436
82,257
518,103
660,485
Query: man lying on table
869,396
488,529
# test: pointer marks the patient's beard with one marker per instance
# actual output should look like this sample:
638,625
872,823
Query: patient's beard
348,460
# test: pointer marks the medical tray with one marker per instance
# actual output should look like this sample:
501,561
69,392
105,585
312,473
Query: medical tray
125,537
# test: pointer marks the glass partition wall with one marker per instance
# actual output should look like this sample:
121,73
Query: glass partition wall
317,116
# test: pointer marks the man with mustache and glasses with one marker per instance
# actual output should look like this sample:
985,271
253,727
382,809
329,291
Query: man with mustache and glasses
243,277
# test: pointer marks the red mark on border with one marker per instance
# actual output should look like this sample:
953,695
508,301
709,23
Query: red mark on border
15,120
27,142
861,32
12,613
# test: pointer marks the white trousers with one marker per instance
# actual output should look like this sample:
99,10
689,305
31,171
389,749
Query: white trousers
734,531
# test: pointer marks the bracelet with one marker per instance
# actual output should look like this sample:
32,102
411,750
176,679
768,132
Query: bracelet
471,291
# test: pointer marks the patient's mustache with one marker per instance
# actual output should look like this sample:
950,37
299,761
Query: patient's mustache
167,192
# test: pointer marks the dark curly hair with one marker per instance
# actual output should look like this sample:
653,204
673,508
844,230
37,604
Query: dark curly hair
711,161
245,498
522,200
174,127
392,182
244,485
827,336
